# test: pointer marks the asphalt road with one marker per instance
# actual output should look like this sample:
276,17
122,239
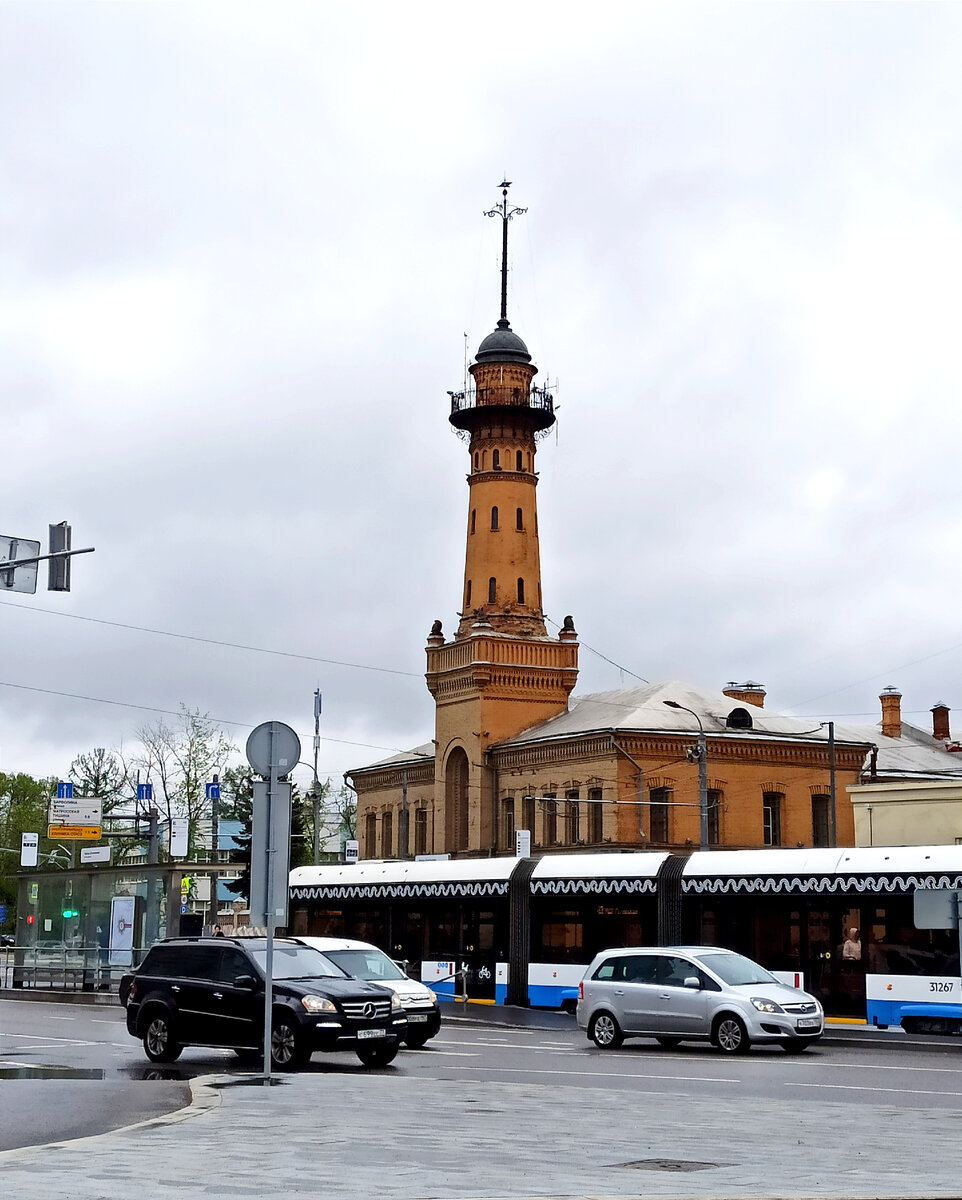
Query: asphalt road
95,1077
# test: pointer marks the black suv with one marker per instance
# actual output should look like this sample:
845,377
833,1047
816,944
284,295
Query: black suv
210,992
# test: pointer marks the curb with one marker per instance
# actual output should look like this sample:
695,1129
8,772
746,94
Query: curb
204,1097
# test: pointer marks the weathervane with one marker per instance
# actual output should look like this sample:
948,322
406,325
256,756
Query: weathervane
505,212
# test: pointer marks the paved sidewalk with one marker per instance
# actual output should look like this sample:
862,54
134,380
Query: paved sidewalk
342,1135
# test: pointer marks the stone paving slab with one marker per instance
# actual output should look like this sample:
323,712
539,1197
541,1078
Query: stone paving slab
403,1138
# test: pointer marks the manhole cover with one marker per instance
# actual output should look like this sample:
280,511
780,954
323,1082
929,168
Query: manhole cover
669,1164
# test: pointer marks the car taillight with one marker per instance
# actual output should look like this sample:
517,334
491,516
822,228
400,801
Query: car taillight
581,990
133,990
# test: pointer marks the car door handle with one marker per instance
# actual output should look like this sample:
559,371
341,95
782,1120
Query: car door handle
174,988
619,991
218,995
664,995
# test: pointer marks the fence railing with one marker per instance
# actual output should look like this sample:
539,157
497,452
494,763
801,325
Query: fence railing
63,968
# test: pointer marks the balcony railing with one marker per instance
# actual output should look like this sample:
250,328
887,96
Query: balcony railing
505,397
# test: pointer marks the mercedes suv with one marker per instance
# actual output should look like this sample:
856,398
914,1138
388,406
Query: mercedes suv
210,992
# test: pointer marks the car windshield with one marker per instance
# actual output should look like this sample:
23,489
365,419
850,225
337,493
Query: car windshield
298,962
734,969
366,964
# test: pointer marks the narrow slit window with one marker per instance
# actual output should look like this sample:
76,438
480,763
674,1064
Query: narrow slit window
496,460
492,590
519,460
519,519
475,460
467,595
474,515
494,517
521,591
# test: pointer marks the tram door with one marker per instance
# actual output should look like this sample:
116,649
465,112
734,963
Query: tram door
836,960
478,952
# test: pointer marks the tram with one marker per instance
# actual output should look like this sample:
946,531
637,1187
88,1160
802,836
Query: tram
837,922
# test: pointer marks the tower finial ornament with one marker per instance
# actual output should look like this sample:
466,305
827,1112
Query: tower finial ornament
505,211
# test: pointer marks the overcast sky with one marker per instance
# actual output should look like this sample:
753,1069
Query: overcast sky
241,246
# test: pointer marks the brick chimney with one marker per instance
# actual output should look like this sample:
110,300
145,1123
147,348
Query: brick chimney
891,699
749,692
940,721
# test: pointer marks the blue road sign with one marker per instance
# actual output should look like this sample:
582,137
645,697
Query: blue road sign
145,791
64,791
212,790
3,914
183,910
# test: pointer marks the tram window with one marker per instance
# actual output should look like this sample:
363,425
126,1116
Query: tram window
562,936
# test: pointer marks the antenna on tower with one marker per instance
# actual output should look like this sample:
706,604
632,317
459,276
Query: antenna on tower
464,386
505,211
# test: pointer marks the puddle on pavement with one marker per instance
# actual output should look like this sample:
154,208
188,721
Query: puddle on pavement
52,1073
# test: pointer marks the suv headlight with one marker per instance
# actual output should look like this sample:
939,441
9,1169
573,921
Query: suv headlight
317,1004
766,1006
396,1005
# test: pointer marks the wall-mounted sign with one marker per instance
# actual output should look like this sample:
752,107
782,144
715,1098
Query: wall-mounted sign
178,837
29,849
93,854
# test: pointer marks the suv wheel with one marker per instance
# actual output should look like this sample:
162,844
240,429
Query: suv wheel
796,1045
379,1055
416,1040
159,1044
287,1050
731,1036
605,1031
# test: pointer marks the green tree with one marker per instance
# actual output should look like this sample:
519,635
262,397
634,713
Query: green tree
24,806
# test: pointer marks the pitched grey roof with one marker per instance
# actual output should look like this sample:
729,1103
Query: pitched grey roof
915,754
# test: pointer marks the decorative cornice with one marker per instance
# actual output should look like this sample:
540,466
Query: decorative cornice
879,883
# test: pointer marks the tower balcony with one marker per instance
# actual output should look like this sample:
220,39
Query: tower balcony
478,405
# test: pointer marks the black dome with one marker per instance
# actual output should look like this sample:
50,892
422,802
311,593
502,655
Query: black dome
503,345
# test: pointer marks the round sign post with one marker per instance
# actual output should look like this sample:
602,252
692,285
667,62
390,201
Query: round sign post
273,751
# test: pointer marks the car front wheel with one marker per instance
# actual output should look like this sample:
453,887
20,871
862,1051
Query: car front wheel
731,1036
379,1055
796,1045
416,1040
159,1043
605,1032
287,1050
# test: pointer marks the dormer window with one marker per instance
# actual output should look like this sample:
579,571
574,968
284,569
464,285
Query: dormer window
739,718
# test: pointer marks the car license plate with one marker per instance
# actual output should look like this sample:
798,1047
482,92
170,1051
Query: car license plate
808,1023
370,1033
417,1017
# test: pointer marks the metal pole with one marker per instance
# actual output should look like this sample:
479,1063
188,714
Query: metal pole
833,832
315,786
702,787
269,914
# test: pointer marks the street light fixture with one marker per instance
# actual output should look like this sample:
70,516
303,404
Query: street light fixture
702,775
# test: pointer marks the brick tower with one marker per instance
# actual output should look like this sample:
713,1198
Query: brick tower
501,673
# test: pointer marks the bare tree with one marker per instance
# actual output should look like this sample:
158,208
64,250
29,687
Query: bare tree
179,761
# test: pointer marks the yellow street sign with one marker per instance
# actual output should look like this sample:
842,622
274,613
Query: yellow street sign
77,833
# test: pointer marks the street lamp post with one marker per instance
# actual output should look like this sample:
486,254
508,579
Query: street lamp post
702,775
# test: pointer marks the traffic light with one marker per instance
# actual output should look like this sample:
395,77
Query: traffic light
58,569
70,912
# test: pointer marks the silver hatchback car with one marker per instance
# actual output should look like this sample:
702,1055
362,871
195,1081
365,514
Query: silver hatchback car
680,993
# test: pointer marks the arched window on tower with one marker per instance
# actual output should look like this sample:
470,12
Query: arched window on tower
521,591
496,460
474,514
518,460
519,519
492,590
494,517
475,460
456,800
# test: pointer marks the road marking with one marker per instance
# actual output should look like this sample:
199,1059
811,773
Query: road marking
101,1021
851,1087
614,1075
50,1018
36,1037
446,1053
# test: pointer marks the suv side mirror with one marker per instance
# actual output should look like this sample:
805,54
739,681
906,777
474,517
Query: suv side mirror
245,981
693,982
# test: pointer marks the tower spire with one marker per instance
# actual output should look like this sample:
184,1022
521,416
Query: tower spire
505,211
